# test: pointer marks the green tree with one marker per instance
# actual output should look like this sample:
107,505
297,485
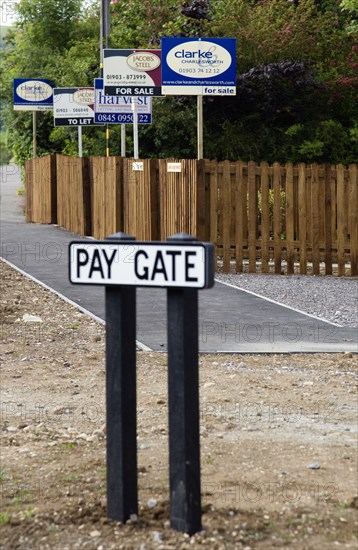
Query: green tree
296,68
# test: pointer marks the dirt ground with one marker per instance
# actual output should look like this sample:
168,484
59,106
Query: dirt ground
278,441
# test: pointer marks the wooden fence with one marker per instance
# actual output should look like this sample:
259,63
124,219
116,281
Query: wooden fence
261,218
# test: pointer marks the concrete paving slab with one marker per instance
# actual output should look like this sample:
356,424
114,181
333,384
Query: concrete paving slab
230,319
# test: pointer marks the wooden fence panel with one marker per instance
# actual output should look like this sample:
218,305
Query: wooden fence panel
277,216
327,220
302,214
106,192
73,197
252,210
29,179
225,207
41,190
265,217
240,214
305,215
353,219
140,199
315,217
213,208
290,258
182,197
341,216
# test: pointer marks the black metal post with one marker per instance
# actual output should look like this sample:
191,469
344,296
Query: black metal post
121,402
183,388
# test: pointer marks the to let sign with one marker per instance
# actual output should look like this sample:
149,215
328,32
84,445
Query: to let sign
73,106
166,265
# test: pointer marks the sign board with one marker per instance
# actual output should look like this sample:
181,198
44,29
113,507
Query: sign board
73,106
147,264
119,110
132,72
174,167
199,66
33,94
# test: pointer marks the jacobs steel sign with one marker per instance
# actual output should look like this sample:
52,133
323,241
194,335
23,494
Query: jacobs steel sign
34,94
150,264
132,72
199,66
73,106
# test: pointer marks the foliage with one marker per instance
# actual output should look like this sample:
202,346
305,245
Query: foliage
296,67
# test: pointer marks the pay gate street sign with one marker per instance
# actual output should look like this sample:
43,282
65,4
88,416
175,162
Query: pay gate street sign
151,264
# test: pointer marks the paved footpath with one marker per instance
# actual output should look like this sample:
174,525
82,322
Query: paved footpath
230,319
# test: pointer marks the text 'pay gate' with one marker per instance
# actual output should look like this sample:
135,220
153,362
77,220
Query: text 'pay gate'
183,265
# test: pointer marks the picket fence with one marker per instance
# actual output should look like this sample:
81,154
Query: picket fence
281,219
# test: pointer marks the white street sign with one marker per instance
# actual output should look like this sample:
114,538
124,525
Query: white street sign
141,264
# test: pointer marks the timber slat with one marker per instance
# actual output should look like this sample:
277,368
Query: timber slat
263,217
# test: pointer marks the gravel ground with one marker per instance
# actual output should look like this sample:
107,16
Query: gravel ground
277,446
331,298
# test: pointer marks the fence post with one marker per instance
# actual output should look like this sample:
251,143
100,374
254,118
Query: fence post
122,485
183,389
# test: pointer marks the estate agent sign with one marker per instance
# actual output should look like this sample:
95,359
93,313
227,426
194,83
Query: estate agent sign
132,72
73,106
34,94
198,66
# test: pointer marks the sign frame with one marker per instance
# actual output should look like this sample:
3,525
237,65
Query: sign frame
199,66
132,249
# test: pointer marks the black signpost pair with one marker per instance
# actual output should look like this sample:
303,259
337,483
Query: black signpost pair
183,394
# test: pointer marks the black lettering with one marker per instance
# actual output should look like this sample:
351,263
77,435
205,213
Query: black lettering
174,253
96,264
189,266
109,261
157,268
79,262
143,275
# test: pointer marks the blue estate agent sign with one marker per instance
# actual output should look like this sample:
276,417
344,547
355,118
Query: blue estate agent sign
33,94
198,66
118,109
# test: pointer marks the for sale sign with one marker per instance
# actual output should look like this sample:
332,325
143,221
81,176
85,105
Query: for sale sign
33,94
132,72
199,66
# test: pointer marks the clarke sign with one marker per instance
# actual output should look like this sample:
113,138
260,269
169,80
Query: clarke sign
33,94
198,66
142,264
